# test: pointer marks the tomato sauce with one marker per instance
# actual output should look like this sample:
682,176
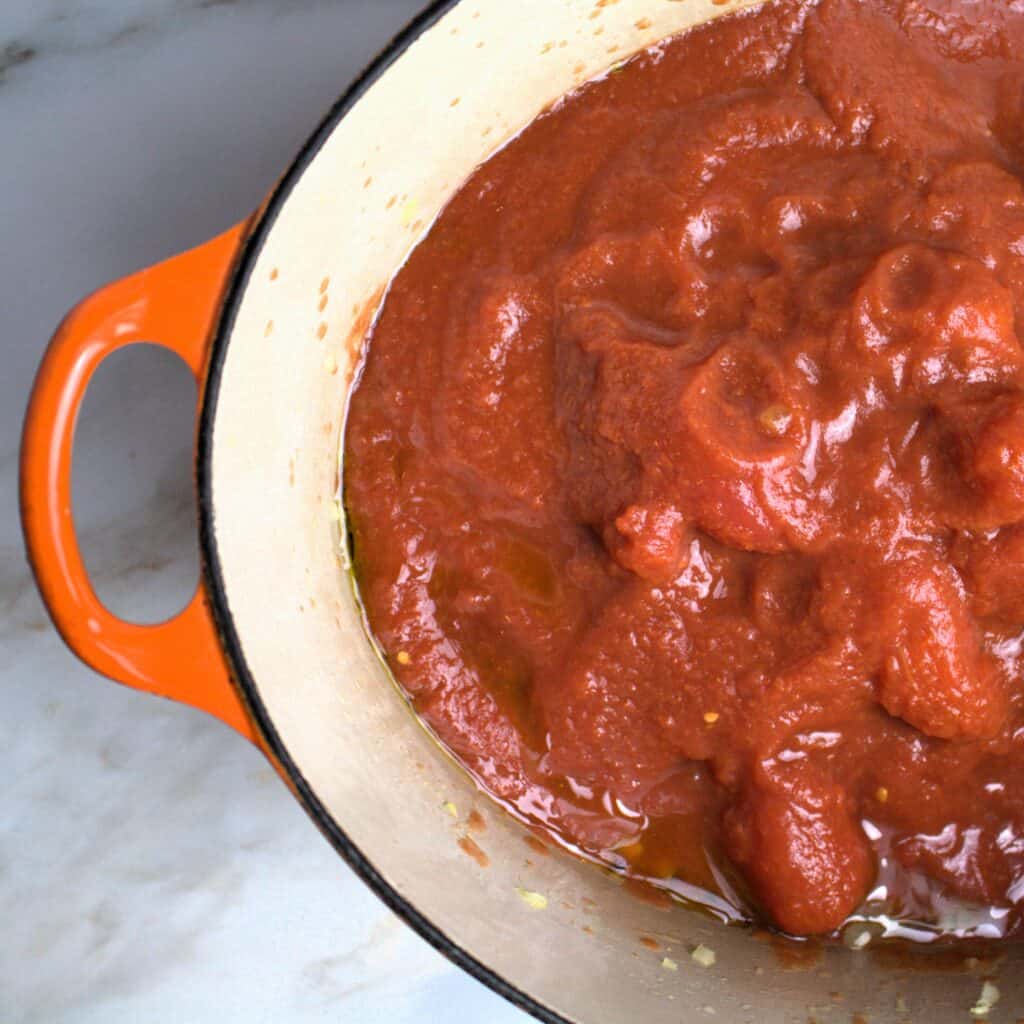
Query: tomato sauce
685,472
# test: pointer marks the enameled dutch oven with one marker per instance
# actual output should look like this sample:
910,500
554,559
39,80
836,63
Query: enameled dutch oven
271,317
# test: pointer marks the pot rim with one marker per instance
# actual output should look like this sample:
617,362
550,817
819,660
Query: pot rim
210,562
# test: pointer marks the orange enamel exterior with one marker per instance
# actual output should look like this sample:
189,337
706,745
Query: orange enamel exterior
173,304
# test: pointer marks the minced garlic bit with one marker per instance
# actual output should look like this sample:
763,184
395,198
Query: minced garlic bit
669,964
986,1001
451,808
703,956
403,658
534,900
775,420
711,717
882,795
408,212
857,935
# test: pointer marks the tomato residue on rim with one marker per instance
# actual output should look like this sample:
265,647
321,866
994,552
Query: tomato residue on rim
686,470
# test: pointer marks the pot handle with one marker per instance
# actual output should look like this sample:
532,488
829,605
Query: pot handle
173,304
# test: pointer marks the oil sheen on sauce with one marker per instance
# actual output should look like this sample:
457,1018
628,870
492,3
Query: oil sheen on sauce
685,473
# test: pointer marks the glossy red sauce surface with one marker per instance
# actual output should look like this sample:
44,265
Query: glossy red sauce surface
686,471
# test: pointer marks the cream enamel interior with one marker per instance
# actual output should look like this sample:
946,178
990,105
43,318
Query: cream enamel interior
462,88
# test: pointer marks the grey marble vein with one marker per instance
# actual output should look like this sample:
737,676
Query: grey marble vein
34,29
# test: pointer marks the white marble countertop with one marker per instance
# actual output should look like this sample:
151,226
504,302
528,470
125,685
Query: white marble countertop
152,867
